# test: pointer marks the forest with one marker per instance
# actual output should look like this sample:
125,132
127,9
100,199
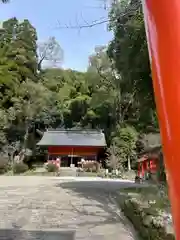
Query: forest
114,94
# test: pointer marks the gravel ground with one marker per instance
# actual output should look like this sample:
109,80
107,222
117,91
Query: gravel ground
47,208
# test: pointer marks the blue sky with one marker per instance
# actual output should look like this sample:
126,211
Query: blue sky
48,15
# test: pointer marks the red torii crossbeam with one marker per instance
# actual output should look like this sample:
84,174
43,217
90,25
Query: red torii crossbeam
162,21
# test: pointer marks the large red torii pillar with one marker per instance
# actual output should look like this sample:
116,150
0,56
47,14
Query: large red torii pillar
162,21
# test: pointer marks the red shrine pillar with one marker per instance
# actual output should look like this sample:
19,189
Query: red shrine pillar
162,20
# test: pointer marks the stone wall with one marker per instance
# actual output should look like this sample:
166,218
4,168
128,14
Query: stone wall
145,219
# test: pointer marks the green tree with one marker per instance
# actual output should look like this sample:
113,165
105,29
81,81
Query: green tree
129,53
125,140
51,52
102,86
114,94
18,68
113,160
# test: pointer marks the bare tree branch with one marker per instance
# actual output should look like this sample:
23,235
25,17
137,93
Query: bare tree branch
5,1
125,11
49,51
85,25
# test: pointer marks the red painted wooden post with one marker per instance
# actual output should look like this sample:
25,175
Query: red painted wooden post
162,20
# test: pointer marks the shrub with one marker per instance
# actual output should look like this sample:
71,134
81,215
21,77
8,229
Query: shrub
51,167
101,174
145,216
4,166
20,167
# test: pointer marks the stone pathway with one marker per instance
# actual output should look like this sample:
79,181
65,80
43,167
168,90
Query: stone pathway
51,208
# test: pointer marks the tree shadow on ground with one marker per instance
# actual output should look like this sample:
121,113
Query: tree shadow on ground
102,195
18,234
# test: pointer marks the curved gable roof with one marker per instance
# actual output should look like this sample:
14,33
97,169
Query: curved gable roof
73,138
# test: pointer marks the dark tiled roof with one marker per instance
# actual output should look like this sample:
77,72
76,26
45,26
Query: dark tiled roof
149,153
151,150
152,140
142,159
73,138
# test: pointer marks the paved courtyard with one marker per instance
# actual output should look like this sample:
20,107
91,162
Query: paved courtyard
60,209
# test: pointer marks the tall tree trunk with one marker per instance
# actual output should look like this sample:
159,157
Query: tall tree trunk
129,164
